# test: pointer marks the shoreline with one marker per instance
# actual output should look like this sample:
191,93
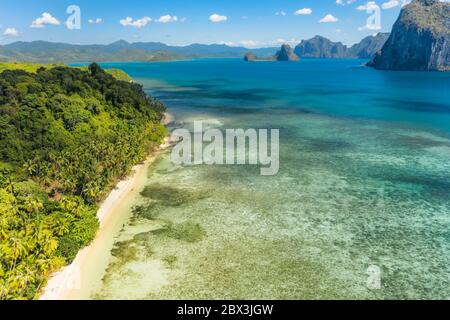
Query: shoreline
74,280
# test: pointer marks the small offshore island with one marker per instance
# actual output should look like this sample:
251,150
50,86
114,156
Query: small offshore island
284,54
321,47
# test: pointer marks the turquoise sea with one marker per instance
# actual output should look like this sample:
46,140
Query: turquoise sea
364,185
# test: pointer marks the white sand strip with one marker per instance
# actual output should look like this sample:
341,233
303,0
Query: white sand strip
78,279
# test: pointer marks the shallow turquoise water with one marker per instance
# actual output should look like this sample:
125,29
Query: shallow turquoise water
364,181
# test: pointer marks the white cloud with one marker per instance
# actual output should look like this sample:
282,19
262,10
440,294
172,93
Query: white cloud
138,23
251,44
217,18
95,21
371,5
46,18
280,13
303,11
328,18
342,2
390,4
11,32
167,18
292,42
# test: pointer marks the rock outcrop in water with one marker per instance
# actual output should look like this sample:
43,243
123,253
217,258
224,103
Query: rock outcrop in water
250,56
320,47
286,54
420,39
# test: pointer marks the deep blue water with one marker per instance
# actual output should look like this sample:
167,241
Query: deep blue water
341,88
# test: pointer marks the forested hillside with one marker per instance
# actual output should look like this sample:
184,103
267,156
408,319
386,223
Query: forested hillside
66,136
34,67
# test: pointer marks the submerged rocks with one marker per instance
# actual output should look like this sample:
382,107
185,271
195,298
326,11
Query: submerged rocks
420,39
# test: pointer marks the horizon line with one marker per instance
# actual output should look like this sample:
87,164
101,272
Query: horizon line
186,45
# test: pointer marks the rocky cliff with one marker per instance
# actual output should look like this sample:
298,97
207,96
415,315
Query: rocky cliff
286,54
368,47
420,39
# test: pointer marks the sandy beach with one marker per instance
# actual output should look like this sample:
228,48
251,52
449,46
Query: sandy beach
77,280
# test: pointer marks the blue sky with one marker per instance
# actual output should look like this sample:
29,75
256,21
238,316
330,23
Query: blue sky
252,23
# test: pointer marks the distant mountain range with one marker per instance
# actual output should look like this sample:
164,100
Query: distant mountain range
51,52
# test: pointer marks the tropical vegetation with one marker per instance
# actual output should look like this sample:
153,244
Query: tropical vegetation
26,66
34,67
66,136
